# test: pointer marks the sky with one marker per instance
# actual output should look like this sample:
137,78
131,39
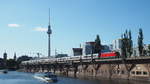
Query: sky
23,23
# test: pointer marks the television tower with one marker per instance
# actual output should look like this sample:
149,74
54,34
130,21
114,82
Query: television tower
49,32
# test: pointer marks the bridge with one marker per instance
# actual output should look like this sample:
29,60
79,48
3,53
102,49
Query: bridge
128,68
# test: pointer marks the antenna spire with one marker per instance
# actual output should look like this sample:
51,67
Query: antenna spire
49,16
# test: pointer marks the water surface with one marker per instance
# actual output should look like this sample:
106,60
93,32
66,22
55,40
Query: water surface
27,78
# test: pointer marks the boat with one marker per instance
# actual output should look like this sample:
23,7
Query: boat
46,76
5,71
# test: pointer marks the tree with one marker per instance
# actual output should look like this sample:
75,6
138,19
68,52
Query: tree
140,42
97,46
23,58
149,49
130,44
123,48
127,44
11,64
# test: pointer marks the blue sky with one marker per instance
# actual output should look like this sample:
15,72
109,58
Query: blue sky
23,23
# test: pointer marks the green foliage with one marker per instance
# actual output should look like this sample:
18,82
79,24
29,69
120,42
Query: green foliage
97,47
23,58
127,44
149,49
11,64
124,41
130,44
140,42
144,52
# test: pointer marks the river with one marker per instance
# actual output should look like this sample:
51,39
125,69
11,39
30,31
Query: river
13,77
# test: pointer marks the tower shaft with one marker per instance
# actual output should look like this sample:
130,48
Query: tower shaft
49,45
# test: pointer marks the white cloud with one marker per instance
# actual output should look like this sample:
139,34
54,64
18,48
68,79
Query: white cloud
40,29
13,25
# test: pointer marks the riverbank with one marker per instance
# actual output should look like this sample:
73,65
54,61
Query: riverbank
101,77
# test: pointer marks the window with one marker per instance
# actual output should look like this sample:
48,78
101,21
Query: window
122,72
113,72
118,71
133,72
145,73
138,73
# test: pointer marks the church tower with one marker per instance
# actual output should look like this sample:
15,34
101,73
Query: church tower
5,56
15,56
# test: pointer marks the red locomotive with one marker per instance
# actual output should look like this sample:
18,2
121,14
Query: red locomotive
109,55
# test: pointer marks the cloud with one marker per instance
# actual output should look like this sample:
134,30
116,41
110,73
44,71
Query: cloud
13,25
40,29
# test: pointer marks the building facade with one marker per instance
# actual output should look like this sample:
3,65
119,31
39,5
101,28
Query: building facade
77,51
117,44
88,47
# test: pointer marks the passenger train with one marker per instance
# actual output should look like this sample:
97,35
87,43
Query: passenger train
105,55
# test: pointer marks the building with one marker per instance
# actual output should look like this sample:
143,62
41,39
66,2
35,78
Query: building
15,57
88,47
5,56
5,59
117,44
77,51
135,52
110,47
139,71
145,51
105,48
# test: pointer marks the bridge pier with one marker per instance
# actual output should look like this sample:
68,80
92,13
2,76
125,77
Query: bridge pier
75,71
48,67
54,68
84,67
96,67
60,69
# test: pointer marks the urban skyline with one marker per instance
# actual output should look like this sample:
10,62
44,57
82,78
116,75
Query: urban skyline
24,24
